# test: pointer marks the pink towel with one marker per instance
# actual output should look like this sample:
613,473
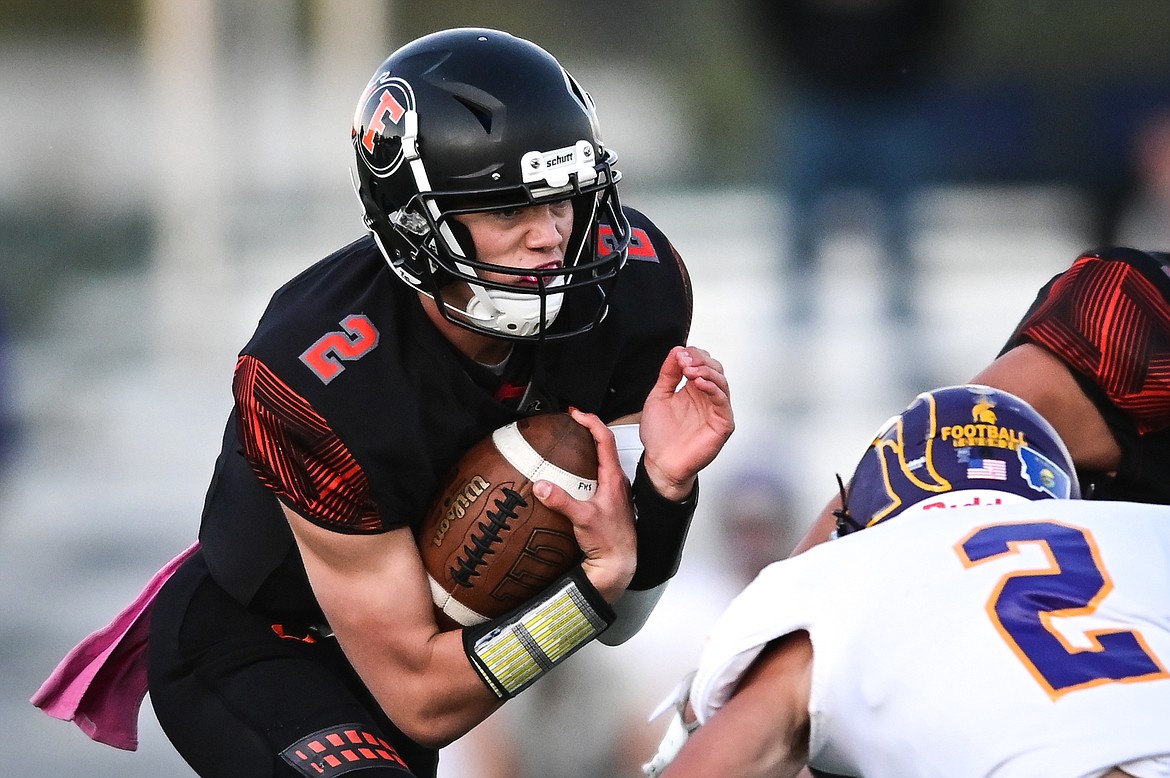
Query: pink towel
100,685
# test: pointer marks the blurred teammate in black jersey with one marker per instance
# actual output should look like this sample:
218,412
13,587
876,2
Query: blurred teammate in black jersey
500,277
1092,355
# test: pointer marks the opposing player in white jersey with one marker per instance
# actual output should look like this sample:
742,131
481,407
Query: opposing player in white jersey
1000,627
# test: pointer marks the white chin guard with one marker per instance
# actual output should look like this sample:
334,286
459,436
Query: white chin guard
512,313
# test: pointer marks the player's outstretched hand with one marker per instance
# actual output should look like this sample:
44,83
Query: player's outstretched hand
603,524
684,427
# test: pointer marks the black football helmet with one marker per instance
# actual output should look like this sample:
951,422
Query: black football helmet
955,447
468,120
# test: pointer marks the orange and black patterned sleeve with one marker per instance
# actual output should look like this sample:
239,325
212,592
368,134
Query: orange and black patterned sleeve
1110,322
295,453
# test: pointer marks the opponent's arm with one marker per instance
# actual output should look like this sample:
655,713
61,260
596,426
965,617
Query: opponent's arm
763,729
1043,380
822,527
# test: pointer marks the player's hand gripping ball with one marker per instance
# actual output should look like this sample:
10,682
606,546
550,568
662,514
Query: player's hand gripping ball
488,545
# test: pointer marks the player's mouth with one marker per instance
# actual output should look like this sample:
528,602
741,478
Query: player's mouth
534,280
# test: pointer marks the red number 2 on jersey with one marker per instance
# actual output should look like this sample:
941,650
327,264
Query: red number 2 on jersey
358,338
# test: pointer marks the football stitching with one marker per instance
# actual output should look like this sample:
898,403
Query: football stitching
481,545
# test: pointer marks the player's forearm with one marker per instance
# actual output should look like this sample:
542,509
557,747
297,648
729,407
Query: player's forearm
373,593
705,756
436,699
1048,385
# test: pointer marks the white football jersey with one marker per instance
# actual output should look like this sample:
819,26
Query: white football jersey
1008,641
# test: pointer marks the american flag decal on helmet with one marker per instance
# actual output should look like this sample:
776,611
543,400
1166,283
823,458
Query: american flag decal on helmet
993,469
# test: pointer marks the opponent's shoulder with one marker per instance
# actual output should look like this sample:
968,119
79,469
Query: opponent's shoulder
1101,513
1113,265
1138,258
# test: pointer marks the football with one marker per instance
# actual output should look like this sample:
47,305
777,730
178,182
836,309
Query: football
488,545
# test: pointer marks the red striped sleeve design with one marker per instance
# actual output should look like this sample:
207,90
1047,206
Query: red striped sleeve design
293,451
1112,324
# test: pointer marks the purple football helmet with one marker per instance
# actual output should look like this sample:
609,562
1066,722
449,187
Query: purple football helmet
955,447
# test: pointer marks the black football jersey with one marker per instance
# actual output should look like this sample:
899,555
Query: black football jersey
1108,318
350,407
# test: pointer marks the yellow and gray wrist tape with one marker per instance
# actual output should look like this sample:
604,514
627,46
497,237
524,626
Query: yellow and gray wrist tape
512,651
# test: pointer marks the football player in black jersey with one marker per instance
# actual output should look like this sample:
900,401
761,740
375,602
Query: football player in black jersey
500,277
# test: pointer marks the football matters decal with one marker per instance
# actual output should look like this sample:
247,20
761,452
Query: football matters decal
357,338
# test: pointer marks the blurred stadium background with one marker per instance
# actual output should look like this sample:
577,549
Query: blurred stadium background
165,164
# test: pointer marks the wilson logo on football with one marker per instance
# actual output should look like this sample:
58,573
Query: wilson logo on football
459,504
487,544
